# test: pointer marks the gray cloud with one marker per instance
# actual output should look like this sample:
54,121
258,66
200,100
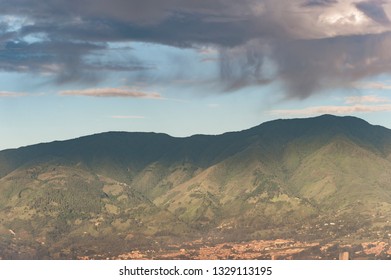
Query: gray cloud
312,3
374,10
307,66
142,12
111,92
243,66
62,59
308,46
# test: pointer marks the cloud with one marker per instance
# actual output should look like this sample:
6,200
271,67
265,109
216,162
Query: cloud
11,94
63,59
366,99
321,3
374,10
309,66
373,85
307,46
336,110
111,92
355,104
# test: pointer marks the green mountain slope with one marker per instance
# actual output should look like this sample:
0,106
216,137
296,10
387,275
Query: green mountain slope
116,191
54,206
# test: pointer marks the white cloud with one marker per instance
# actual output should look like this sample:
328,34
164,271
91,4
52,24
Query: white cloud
11,94
337,110
373,85
111,92
366,99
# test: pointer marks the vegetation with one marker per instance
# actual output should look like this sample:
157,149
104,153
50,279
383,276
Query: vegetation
324,178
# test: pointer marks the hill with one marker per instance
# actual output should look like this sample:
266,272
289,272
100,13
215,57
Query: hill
113,192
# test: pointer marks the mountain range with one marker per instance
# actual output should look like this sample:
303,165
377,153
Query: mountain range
323,178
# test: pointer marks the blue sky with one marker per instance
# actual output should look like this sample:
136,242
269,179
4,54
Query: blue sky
179,67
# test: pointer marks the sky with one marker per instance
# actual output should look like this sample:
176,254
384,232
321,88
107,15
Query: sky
70,68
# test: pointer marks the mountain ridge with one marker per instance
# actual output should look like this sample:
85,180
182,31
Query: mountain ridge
279,179
282,124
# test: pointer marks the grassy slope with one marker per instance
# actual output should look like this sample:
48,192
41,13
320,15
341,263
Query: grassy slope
281,174
63,206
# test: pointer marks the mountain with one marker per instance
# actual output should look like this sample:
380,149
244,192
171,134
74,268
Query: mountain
322,178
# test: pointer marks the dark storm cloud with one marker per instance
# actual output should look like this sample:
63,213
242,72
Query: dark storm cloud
308,49
307,66
62,59
182,29
312,3
374,10
243,66
142,12
170,22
